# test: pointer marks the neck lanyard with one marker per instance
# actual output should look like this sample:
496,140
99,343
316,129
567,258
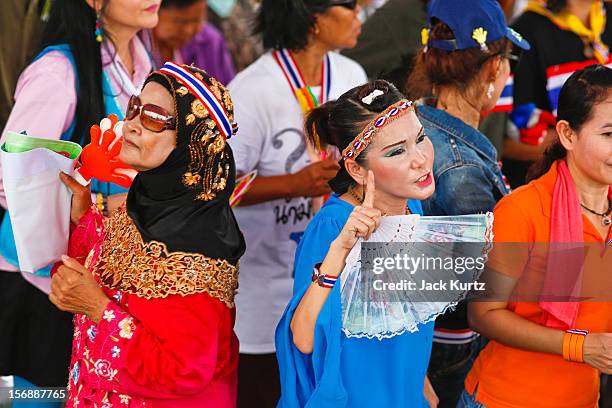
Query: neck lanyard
118,72
306,99
295,79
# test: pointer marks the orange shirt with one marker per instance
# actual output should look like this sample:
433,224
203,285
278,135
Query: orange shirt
507,377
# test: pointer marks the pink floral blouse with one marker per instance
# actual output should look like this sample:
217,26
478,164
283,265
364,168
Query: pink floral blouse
178,351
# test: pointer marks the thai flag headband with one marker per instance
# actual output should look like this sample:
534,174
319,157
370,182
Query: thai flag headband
363,139
204,94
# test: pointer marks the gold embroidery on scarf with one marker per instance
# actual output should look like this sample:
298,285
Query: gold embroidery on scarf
209,164
198,109
190,119
149,271
182,91
209,160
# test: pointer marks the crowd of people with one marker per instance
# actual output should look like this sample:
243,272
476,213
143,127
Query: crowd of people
349,111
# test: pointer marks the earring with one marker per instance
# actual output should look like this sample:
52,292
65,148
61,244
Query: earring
316,30
99,33
490,90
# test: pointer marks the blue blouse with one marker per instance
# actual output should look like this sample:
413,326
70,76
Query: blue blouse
341,371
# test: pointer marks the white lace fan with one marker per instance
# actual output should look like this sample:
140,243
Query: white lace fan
372,310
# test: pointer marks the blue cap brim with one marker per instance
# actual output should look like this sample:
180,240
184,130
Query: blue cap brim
517,39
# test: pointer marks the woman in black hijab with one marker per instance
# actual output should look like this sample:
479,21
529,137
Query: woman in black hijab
154,302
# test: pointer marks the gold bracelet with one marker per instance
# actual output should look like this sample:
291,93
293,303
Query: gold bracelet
100,202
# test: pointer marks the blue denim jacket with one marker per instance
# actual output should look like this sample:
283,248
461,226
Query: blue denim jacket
468,178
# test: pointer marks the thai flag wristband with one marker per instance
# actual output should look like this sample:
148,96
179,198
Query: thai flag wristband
321,279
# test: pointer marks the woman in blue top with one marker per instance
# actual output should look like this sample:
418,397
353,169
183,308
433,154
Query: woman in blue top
319,365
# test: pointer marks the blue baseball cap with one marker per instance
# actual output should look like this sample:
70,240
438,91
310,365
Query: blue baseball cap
475,23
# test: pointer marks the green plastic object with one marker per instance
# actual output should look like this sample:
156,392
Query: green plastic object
19,143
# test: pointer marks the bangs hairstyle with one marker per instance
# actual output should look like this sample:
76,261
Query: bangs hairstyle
287,23
456,69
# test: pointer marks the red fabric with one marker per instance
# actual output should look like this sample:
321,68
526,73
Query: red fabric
565,226
564,269
534,135
179,351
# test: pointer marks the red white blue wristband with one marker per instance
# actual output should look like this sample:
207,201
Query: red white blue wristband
323,280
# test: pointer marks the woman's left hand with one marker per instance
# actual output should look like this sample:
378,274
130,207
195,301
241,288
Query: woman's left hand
81,197
74,289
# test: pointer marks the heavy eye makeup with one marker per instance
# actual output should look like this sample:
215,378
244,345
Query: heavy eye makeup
421,136
395,151
398,148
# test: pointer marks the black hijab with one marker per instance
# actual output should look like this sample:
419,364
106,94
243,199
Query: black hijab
184,203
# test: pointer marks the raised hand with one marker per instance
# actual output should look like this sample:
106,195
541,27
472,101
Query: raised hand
100,158
364,219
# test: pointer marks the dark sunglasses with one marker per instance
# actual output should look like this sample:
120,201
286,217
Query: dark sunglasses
154,118
349,4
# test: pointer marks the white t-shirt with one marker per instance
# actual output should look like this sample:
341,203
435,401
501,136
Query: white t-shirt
271,140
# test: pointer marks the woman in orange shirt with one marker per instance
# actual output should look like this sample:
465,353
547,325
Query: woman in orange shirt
540,354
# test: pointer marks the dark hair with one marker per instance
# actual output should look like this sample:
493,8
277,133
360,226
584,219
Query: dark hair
337,123
73,22
178,3
583,90
286,23
443,68
556,6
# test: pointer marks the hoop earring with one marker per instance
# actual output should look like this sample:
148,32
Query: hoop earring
490,90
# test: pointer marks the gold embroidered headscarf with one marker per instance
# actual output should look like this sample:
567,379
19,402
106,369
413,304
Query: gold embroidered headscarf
179,234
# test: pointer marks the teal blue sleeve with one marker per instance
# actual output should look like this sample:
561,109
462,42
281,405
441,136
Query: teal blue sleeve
313,248
312,380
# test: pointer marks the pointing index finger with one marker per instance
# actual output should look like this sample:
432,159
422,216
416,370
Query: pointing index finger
368,200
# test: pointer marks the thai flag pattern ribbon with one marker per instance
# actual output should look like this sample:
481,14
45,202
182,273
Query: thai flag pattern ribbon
364,138
302,92
555,78
204,94
558,74
306,99
505,101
